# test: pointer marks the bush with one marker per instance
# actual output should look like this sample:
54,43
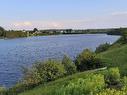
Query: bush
112,92
112,76
124,81
15,34
2,91
69,66
87,86
31,76
2,31
87,60
102,48
18,88
44,72
50,70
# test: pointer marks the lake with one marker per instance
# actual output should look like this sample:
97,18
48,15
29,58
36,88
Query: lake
15,53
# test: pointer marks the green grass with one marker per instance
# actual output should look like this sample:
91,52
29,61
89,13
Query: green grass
49,87
116,57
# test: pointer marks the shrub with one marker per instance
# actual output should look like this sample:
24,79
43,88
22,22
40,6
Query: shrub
87,86
69,66
112,92
87,60
50,70
18,88
31,76
44,72
102,48
2,91
112,76
124,81
15,34
2,31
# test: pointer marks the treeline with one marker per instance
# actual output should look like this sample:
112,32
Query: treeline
11,33
117,31
35,32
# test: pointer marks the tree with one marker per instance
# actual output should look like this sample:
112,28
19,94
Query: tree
69,66
2,31
87,60
44,72
35,30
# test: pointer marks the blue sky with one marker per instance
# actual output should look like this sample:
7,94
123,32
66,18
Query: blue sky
76,14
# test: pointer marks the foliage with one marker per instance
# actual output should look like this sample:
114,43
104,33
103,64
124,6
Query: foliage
31,76
84,83
87,60
18,88
115,32
2,91
124,81
50,70
50,87
15,34
87,86
123,39
69,66
2,31
44,72
112,92
102,48
112,76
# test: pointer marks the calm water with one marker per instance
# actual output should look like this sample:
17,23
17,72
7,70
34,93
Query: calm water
15,53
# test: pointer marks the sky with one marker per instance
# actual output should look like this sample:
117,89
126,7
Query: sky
62,14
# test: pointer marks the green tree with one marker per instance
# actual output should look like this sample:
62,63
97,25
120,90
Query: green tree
44,72
112,76
87,60
69,66
2,31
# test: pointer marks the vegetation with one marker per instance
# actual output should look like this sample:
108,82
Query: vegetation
87,60
86,86
35,32
116,57
102,48
112,78
85,83
44,72
113,92
15,34
69,66
2,32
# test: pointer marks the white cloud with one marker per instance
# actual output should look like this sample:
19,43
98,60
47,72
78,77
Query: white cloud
22,24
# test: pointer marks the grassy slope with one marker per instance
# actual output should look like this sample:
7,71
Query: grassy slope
116,57
45,90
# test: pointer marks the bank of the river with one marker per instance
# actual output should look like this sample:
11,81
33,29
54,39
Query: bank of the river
16,53
114,57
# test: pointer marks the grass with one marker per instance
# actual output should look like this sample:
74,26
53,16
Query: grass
116,57
49,87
